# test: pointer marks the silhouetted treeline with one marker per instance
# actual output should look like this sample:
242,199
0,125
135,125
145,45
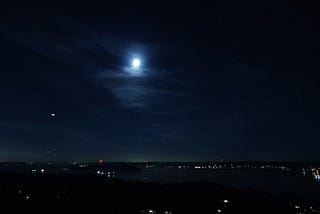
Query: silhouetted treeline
98,194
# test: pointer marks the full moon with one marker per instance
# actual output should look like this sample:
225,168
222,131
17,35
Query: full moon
136,63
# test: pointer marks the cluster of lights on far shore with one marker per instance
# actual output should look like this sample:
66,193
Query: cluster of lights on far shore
108,174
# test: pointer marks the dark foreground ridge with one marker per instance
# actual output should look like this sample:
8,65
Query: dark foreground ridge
96,194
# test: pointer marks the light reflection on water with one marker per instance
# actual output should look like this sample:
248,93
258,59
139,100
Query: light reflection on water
274,181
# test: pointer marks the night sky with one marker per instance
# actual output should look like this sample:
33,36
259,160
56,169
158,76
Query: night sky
218,80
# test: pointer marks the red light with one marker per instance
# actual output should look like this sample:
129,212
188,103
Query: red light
100,161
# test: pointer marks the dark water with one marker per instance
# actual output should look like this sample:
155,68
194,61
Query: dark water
274,181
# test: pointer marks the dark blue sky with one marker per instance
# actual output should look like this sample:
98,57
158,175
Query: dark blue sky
237,81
